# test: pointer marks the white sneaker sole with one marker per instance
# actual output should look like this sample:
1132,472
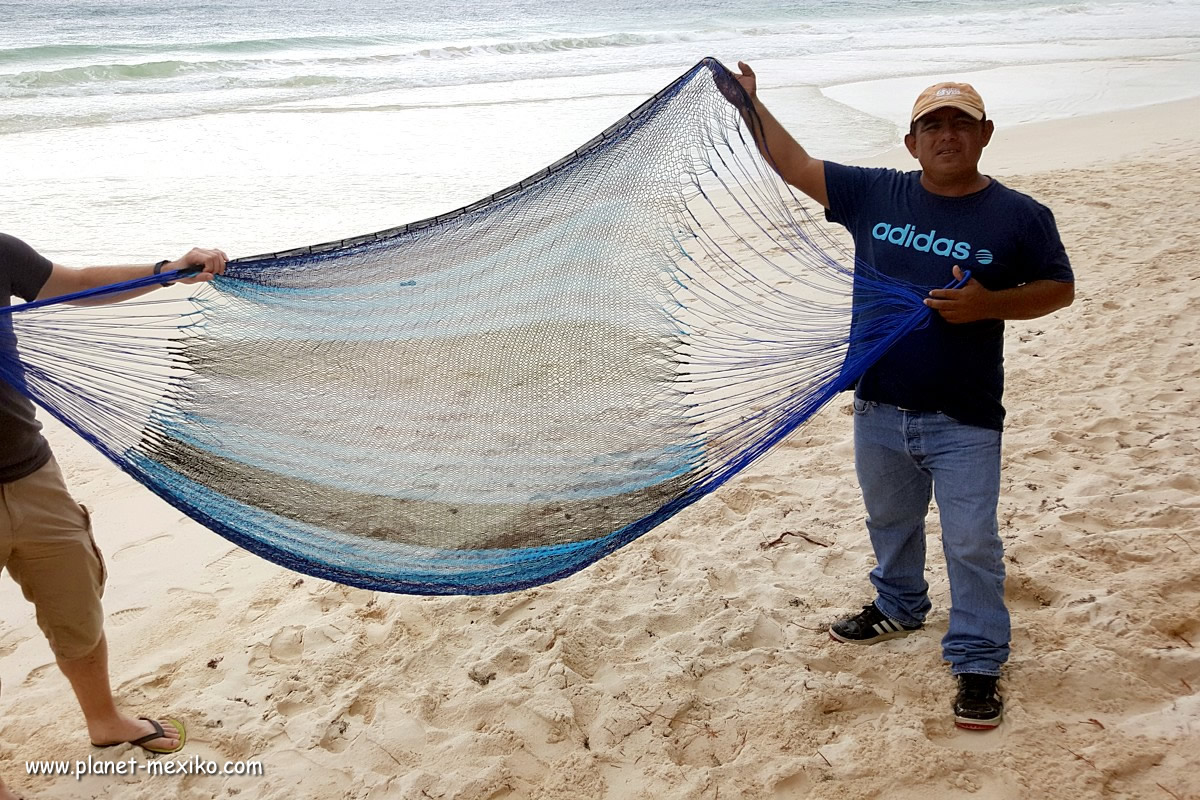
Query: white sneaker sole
968,724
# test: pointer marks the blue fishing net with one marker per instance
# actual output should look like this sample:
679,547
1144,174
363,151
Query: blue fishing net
496,397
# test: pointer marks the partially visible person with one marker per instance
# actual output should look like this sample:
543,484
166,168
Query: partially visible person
928,415
45,536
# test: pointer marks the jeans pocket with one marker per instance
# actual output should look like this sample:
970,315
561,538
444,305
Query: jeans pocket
861,406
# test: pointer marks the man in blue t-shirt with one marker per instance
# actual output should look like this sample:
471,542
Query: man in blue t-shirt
928,415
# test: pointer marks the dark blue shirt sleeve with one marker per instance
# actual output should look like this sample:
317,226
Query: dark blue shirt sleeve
1045,255
22,268
844,185
848,189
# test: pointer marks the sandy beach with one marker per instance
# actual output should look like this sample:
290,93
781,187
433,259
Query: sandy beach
695,663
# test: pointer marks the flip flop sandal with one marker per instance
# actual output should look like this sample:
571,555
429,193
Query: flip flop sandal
156,734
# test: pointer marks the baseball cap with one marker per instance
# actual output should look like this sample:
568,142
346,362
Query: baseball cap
956,95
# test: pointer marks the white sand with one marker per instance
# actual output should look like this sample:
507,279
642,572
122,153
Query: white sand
693,664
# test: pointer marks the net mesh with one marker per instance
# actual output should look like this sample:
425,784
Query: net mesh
493,398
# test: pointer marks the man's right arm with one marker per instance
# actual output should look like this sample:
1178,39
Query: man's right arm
782,152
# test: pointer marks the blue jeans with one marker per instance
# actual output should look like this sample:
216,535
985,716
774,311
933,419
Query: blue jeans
902,458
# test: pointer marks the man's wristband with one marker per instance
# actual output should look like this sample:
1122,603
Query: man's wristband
158,269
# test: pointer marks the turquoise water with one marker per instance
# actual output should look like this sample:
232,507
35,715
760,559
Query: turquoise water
130,130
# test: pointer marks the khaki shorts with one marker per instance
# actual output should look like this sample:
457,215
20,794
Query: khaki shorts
46,543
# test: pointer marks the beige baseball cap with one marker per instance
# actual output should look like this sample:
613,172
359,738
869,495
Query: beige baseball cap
956,95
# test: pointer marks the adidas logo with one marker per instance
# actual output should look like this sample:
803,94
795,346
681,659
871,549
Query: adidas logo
907,236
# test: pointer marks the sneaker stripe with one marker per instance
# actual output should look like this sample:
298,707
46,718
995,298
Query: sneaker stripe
869,627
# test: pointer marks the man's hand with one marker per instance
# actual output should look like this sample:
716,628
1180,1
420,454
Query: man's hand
211,263
970,303
747,81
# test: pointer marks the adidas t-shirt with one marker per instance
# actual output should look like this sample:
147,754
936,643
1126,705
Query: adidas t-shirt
1005,238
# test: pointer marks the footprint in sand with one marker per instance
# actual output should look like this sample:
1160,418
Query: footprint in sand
125,615
798,785
943,733
135,547
1024,592
36,674
287,708
1087,521
287,646
222,564
519,607
1184,482
363,708
10,644
739,499
258,608
334,739
202,605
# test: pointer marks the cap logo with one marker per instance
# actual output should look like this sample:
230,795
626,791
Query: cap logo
959,95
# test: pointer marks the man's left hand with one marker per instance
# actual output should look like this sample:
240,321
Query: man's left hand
969,303
211,263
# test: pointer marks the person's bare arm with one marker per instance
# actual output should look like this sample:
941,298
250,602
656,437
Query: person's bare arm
782,152
66,280
973,302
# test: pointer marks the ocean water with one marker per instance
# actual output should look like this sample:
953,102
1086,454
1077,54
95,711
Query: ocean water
132,130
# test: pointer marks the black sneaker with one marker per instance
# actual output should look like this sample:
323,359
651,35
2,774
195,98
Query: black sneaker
978,706
870,626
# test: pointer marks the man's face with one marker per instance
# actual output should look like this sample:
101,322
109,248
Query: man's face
949,142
